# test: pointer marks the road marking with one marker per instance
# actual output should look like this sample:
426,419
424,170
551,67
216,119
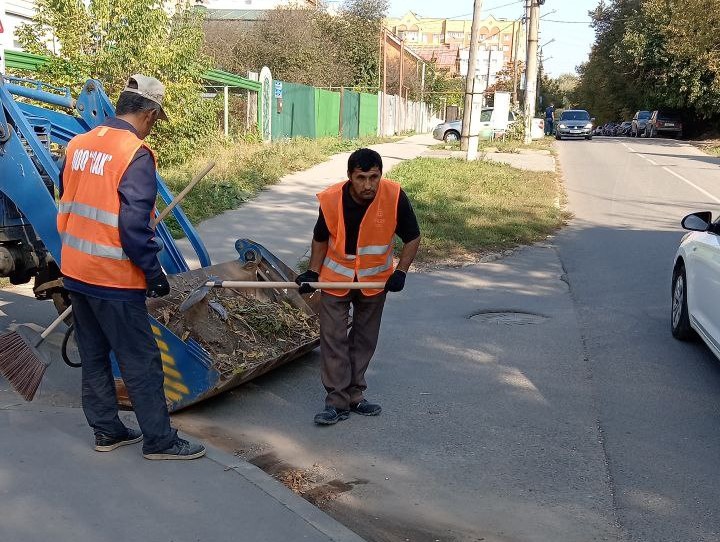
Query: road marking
696,187
629,148
653,162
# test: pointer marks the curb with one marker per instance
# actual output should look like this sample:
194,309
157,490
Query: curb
296,504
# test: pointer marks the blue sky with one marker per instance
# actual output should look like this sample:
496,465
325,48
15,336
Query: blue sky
572,41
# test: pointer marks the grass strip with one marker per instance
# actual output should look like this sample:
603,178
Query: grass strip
508,145
468,208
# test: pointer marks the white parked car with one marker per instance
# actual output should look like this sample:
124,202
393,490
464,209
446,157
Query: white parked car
695,287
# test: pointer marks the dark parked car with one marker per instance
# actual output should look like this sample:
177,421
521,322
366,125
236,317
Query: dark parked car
639,123
664,121
574,123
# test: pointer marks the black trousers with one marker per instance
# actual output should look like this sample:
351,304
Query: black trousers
102,326
345,356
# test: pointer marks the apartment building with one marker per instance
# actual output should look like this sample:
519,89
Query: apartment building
443,40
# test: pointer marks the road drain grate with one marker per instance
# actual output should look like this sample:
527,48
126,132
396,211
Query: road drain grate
507,317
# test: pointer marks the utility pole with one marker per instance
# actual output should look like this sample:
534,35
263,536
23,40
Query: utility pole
532,68
383,107
487,81
402,65
516,42
469,141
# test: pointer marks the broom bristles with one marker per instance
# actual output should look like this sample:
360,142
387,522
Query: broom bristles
21,364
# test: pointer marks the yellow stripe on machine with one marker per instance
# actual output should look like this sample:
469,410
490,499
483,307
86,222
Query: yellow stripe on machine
169,371
172,395
156,330
176,386
162,345
167,359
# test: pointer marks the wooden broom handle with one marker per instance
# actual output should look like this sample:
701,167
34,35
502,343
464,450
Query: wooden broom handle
181,196
56,323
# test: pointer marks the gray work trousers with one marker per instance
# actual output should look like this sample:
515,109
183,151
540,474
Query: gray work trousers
345,356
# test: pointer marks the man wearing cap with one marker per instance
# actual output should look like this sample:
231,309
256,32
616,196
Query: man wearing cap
110,265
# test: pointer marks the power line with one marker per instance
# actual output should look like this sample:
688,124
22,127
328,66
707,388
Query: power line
469,14
567,22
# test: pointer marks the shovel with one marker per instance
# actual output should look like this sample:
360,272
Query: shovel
199,293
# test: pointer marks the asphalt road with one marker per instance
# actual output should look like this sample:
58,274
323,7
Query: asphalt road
658,400
567,414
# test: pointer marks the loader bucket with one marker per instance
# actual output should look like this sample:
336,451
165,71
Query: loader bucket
203,354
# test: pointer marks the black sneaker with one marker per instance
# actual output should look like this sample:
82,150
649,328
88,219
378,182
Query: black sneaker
366,409
331,415
181,449
103,443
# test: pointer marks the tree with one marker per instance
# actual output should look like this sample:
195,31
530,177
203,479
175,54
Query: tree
307,46
505,78
650,54
559,90
109,40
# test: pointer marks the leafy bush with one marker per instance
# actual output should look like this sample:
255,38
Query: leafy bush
110,40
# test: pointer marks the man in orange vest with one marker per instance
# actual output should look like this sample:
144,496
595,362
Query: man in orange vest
109,263
353,242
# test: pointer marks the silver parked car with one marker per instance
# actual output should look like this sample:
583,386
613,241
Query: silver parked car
450,131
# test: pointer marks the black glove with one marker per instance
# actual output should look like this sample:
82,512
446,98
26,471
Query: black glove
302,280
157,286
396,282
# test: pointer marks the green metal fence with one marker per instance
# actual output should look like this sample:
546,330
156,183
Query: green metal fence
296,117
327,113
350,114
369,105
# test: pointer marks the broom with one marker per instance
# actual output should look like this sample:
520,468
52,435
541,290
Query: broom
21,363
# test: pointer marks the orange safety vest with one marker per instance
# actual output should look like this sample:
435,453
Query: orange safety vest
89,210
373,259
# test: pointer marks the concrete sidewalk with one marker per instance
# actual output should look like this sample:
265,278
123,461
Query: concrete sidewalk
53,486
282,217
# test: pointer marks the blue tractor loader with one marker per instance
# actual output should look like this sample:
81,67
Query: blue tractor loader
36,123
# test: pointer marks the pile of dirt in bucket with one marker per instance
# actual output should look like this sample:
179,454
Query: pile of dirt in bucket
239,330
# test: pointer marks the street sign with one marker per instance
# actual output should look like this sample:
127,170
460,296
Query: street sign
278,89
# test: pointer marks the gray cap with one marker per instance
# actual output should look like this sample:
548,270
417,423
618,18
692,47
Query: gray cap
148,87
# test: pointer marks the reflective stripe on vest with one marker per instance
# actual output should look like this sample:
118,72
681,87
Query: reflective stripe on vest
373,249
373,260
93,249
89,210
377,270
339,269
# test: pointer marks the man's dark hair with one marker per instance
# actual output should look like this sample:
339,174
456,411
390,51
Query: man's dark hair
365,160
132,102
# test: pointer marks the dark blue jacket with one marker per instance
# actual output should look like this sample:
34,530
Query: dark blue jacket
138,193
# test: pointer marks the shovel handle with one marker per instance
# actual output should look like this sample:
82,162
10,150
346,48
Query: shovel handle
181,196
294,286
